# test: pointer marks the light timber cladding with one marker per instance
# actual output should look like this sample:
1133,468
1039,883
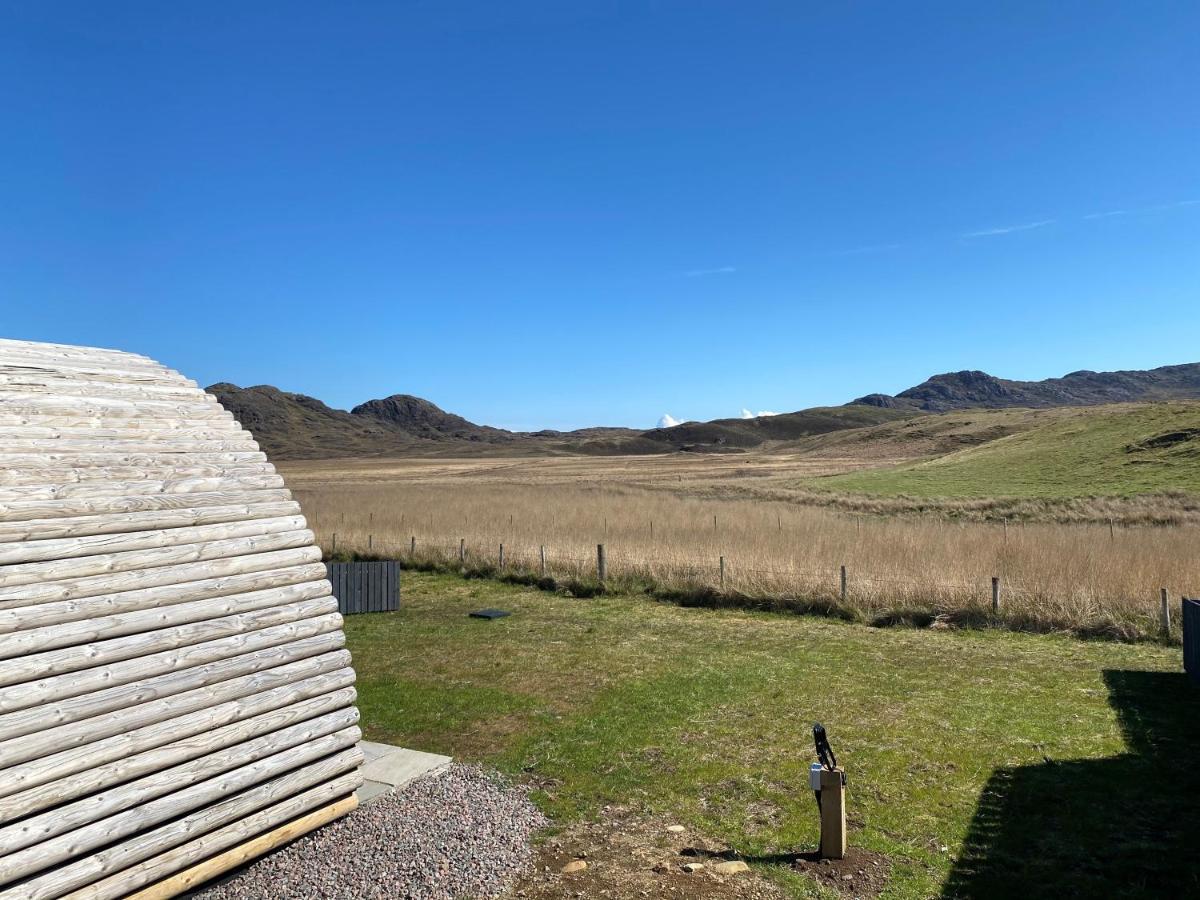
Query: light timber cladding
175,692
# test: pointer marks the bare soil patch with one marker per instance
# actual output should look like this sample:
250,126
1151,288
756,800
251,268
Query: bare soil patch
623,855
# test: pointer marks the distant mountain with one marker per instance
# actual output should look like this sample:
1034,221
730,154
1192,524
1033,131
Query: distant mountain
973,389
297,426
422,419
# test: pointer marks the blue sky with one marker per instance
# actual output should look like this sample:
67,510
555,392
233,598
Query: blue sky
568,214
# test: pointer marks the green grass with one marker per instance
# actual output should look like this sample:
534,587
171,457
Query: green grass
1101,451
705,716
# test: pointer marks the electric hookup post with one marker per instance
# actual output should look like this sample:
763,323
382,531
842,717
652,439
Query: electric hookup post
828,782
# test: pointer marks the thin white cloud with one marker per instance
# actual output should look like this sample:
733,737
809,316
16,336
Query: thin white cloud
669,421
746,414
1009,229
701,273
1158,207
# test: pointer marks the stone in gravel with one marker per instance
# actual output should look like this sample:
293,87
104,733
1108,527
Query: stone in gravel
575,865
675,829
732,867
692,868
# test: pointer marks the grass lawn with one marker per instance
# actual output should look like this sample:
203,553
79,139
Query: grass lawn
981,763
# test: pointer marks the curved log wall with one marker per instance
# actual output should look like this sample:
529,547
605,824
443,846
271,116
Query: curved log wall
173,680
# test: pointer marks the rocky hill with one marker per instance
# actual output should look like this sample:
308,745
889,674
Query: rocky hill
297,426
973,389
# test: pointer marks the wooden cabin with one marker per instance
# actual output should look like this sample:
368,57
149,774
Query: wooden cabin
175,692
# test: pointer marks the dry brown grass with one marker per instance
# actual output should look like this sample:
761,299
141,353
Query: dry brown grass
666,521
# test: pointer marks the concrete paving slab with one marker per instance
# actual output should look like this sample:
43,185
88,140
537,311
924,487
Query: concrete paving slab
387,768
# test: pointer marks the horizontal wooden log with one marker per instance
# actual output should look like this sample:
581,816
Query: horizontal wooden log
238,855
236,835
97,833
61,713
83,526
126,489
57,428
73,475
82,370
32,573
81,386
57,351
76,424
145,845
120,767
21,559
24,510
149,622
86,449
205,407
58,361
125,796
117,389
42,615
28,368
235,563
82,673
114,457
78,734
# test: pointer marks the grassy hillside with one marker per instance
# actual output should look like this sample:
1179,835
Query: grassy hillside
1120,450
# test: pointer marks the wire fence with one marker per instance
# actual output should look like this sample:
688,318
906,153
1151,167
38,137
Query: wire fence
991,595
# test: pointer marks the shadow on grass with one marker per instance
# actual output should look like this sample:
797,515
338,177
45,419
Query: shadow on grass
1127,826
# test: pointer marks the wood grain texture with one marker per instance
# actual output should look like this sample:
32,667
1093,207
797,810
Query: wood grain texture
173,674
196,875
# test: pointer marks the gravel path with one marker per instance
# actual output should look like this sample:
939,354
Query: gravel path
459,832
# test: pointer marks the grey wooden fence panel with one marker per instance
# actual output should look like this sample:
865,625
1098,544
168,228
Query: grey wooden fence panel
1191,639
362,587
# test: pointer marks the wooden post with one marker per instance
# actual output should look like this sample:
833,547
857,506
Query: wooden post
651,529
542,554
334,550
843,584
722,573
1006,531
502,556
370,541
1111,534
995,595
412,545
1166,613
833,814
601,563
462,550
714,523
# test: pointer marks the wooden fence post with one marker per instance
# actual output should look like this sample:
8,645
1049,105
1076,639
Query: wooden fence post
412,546
370,542
1166,612
722,573
334,550
601,563
542,554
501,556
462,550
995,595
843,584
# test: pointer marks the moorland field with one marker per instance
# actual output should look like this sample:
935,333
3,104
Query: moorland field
1084,514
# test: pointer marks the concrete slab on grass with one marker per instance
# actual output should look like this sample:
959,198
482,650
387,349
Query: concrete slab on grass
387,768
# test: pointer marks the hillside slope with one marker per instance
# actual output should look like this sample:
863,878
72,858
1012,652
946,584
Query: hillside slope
968,389
1119,450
